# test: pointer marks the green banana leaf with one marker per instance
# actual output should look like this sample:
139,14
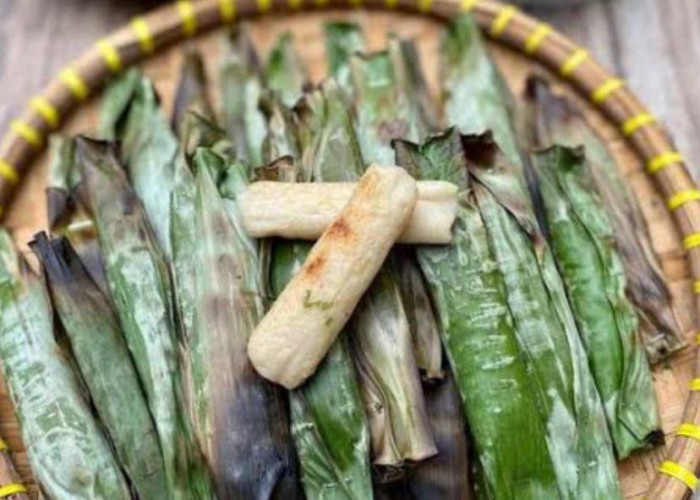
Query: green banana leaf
342,40
555,120
285,73
191,94
379,331
577,436
475,97
141,290
389,105
328,423
241,86
481,340
239,417
70,457
583,244
68,215
148,149
92,328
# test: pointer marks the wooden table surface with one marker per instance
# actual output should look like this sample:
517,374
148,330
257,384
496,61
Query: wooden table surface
653,44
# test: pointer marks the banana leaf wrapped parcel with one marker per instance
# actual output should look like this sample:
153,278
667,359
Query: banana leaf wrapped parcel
380,336
541,355
390,104
69,455
240,418
141,289
101,353
583,243
555,120
241,88
510,438
328,423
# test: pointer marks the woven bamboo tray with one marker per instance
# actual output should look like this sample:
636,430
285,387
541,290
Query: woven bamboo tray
521,45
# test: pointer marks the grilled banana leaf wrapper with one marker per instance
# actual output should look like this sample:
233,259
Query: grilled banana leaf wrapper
101,353
240,418
69,455
148,147
481,340
141,290
577,434
379,331
555,120
328,423
285,72
475,96
342,40
67,211
583,242
192,94
241,88
388,104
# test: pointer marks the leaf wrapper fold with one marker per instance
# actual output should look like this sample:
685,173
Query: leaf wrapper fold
583,243
92,328
555,120
69,455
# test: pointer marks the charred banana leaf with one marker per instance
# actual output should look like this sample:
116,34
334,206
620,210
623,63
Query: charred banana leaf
140,286
191,95
577,436
475,97
389,106
328,421
240,418
555,120
481,341
68,215
327,415
69,455
380,335
148,149
241,87
101,353
583,244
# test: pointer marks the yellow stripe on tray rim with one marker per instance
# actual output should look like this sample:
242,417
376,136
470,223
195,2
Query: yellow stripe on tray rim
75,84
3,445
188,16
695,384
696,289
663,160
679,472
572,62
12,489
31,135
631,125
227,8
110,55
691,241
467,5
535,39
606,90
264,5
8,172
47,111
682,197
689,430
144,35
424,5
500,23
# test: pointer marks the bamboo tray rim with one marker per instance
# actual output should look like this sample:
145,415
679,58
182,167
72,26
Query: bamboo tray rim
502,22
